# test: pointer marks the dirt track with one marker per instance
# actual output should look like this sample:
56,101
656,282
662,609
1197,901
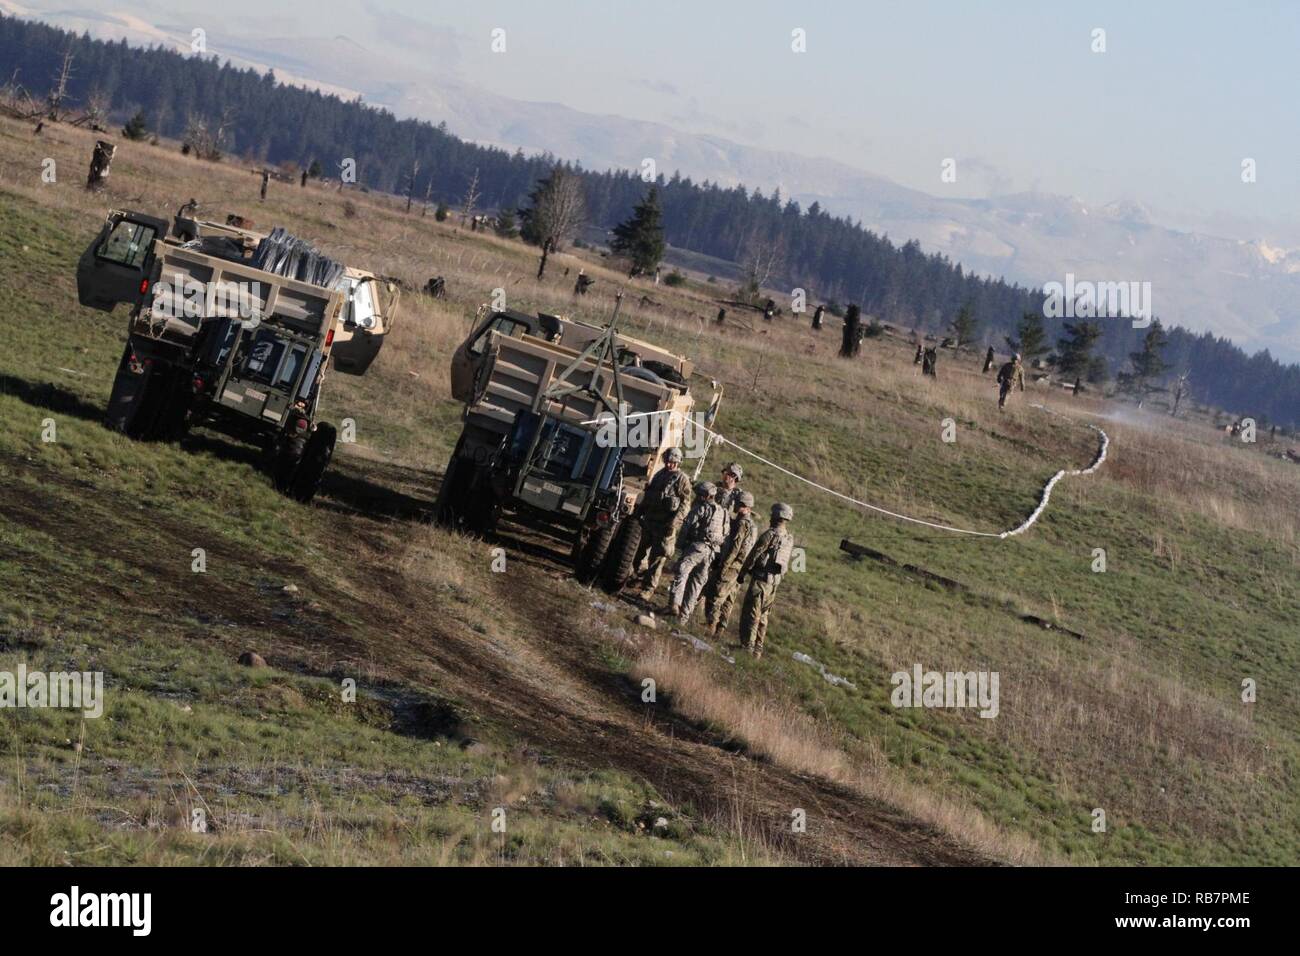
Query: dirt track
543,684
549,688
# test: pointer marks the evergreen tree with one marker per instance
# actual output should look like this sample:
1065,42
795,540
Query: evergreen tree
314,170
640,238
964,325
1148,363
506,227
136,127
1075,350
1030,339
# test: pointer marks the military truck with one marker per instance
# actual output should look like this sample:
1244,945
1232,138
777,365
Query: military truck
544,397
232,330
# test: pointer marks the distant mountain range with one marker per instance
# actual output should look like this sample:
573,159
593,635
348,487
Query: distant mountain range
1246,289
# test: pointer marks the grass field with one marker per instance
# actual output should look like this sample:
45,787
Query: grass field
479,692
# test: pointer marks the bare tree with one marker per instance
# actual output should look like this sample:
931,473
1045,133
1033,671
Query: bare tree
558,210
1180,392
471,198
58,96
205,140
410,183
761,257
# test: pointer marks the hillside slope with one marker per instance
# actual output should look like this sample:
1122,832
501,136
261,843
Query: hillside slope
520,690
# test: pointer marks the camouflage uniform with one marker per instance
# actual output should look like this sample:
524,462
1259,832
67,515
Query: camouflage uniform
720,593
706,528
727,497
661,512
764,567
1010,374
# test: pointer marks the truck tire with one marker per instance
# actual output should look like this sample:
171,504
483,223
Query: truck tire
453,492
285,463
141,421
481,507
315,459
620,562
591,557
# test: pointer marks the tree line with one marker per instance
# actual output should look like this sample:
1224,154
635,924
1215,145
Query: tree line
776,242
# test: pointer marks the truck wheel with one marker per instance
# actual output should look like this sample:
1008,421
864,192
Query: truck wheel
481,510
315,459
591,557
453,492
285,463
141,421
621,560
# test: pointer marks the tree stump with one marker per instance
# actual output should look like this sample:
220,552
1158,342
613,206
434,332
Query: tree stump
851,343
100,162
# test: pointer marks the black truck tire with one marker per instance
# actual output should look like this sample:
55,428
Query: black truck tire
454,491
620,562
288,456
590,558
481,510
315,459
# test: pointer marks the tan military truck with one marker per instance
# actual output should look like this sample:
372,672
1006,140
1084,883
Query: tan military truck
565,422
232,330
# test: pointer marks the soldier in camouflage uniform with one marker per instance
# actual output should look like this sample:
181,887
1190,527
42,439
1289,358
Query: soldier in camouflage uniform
720,593
706,528
1012,373
764,567
729,489
661,511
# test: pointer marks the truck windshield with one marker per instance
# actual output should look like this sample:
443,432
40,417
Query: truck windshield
127,244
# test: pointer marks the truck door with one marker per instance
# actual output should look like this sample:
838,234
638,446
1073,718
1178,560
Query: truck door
116,265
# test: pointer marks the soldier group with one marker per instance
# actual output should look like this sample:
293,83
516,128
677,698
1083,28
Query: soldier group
721,549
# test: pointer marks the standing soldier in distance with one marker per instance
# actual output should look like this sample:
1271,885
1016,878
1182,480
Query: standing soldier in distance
928,362
661,511
764,567
706,528
1010,374
720,593
988,360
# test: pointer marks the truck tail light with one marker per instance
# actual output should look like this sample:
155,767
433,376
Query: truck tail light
144,286
602,517
199,383
300,424
329,338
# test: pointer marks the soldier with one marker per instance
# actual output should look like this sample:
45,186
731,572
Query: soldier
1010,374
706,528
661,511
988,360
730,487
920,354
764,567
720,592
928,362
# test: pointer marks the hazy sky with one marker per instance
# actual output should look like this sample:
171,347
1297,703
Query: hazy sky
1012,90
